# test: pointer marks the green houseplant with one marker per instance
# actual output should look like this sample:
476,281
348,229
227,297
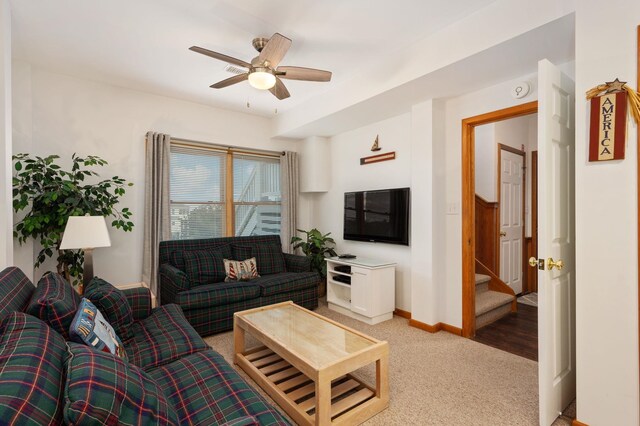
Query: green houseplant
49,195
316,246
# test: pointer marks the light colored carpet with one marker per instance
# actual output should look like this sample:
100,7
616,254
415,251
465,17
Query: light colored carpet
441,379
530,299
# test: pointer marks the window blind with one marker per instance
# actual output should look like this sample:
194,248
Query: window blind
197,190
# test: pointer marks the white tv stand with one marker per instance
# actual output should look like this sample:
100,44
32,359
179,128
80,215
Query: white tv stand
370,297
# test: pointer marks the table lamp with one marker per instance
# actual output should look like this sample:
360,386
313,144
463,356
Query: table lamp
86,233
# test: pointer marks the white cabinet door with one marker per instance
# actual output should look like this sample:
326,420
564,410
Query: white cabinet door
360,291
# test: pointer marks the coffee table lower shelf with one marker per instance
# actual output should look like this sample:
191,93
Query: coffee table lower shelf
352,401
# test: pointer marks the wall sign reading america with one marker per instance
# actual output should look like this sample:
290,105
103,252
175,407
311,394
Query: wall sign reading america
608,124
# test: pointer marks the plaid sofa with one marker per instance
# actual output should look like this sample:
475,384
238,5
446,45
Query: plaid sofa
209,306
169,377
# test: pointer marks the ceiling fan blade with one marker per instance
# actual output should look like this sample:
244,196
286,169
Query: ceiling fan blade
279,90
220,56
307,74
229,81
275,49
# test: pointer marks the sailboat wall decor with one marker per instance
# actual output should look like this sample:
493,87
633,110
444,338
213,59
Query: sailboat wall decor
376,145
379,157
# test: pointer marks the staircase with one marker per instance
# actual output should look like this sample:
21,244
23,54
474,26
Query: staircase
491,305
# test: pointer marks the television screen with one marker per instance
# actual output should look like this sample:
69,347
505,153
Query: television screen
380,216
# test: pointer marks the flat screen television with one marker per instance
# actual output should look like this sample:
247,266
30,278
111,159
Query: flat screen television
378,216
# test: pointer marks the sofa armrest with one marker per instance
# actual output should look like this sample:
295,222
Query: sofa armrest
139,299
172,282
297,263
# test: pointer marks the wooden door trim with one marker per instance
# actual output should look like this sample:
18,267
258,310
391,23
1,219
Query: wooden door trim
534,215
516,151
468,207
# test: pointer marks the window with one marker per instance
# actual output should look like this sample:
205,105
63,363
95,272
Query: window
218,193
256,195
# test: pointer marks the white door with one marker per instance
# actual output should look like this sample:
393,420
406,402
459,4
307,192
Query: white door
511,219
556,240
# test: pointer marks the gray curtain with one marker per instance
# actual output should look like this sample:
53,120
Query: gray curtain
289,190
156,205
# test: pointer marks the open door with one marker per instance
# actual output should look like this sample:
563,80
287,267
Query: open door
556,242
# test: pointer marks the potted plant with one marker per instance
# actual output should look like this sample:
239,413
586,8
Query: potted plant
316,246
49,195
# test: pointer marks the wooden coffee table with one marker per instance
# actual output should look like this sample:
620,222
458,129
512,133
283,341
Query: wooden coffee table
305,364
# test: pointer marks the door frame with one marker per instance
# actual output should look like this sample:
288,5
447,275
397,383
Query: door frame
468,207
532,286
638,178
523,253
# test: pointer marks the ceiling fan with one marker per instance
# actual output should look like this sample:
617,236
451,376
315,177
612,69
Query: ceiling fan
263,71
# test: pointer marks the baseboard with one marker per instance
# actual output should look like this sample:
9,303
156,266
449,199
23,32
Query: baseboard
578,423
425,327
403,314
435,328
451,329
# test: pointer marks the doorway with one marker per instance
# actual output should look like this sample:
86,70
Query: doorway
504,234
469,126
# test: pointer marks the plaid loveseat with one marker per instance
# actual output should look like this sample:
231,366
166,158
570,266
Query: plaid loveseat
190,276
169,376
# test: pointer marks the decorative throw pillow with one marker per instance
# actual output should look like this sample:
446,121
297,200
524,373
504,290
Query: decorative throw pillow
112,303
206,266
176,258
55,302
240,270
103,389
269,257
92,329
241,252
32,355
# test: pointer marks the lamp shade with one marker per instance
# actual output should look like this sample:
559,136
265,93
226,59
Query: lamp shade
262,80
85,232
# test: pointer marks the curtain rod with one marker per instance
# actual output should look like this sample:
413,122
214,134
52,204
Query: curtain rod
239,149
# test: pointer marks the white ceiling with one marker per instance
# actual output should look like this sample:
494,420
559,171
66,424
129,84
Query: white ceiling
143,44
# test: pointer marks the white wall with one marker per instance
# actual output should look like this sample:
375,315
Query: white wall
315,164
348,175
427,211
62,115
6,244
606,227
485,161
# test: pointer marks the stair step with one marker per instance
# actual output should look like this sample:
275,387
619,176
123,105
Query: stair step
481,279
482,283
491,306
490,300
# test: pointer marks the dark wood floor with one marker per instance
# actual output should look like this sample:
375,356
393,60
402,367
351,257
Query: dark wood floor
516,333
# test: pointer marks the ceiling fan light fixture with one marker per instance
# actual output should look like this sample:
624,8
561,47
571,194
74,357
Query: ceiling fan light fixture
262,79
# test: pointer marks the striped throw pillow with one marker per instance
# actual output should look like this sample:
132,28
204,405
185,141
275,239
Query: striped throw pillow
240,270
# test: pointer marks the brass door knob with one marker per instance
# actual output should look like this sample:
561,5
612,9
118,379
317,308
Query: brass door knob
503,234
533,262
559,264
